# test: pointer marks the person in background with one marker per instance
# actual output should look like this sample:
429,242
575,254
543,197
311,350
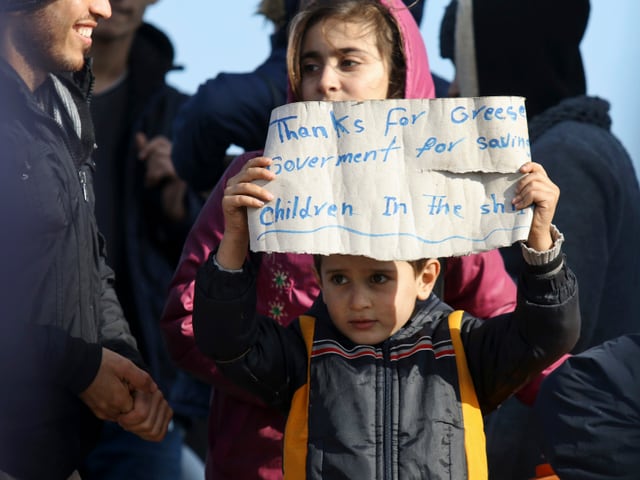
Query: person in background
571,134
244,434
144,211
68,359
233,109
588,413
531,48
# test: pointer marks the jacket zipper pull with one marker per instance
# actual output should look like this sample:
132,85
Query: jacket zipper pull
83,182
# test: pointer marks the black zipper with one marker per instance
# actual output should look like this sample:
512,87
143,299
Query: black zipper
82,175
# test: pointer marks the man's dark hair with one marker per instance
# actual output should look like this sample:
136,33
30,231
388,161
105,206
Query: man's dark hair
16,5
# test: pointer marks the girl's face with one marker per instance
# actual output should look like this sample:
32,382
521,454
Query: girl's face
341,61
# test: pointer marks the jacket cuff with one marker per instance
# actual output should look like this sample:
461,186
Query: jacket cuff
129,352
223,283
214,260
535,258
82,362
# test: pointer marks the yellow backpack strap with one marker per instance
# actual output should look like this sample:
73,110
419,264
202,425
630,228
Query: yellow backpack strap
474,439
296,433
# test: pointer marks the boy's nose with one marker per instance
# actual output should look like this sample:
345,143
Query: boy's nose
359,298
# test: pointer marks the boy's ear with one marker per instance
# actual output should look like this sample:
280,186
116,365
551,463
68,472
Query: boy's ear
427,278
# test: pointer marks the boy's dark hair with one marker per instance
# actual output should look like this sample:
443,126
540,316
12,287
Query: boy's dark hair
417,265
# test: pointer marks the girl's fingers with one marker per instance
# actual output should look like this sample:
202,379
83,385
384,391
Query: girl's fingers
241,201
241,189
248,189
254,169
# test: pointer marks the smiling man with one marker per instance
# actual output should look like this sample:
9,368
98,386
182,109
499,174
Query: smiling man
144,211
67,357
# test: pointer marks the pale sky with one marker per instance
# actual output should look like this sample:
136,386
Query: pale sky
214,36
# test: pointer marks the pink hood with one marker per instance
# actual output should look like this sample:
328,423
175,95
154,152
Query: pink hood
419,82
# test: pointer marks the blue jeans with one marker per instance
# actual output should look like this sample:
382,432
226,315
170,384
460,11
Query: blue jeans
120,454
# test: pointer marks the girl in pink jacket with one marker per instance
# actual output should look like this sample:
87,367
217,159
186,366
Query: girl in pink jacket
245,436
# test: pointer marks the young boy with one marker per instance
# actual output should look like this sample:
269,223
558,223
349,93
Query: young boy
374,379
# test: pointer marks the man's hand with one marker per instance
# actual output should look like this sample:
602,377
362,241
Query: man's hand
150,416
156,153
109,395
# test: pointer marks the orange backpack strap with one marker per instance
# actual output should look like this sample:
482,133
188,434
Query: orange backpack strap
545,472
296,433
474,439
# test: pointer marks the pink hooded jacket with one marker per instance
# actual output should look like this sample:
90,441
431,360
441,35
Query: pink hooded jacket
244,435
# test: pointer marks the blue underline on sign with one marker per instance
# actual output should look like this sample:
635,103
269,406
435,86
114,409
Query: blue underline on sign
387,235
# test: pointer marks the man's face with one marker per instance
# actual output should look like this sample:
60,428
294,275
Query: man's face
57,37
125,19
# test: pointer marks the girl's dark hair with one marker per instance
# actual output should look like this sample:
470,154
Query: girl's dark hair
366,12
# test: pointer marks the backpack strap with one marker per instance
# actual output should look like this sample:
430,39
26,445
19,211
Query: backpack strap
296,433
544,471
474,438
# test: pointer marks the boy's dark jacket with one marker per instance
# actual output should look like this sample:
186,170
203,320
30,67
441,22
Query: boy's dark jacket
389,410
59,305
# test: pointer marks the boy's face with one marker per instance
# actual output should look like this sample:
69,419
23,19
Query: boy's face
57,37
369,300
341,61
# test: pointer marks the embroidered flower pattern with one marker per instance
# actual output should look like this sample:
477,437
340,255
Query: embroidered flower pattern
275,284
280,279
276,310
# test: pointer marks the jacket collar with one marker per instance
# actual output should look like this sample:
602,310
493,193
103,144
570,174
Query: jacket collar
582,109
19,104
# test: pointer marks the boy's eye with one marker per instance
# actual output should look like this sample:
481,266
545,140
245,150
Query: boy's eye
338,279
379,278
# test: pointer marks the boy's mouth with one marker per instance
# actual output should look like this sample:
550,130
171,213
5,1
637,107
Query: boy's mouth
362,324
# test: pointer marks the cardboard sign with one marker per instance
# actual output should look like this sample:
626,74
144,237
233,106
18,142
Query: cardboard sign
394,179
